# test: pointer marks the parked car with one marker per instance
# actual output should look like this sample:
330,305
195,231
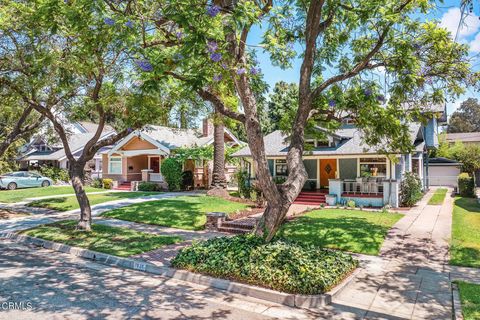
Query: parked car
23,179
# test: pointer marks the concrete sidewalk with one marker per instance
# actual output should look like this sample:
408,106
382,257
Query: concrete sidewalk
410,279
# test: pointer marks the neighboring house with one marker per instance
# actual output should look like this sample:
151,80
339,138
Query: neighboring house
343,165
39,152
443,172
466,138
139,156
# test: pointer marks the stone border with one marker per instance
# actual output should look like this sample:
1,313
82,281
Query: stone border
288,299
457,304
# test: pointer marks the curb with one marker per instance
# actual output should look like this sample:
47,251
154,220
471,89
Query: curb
457,305
288,299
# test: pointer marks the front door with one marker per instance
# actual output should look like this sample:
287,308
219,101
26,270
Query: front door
155,164
328,168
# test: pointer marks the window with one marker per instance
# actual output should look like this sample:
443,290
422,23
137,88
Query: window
375,167
280,167
115,165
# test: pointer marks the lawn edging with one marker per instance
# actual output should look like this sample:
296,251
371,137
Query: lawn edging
288,299
457,304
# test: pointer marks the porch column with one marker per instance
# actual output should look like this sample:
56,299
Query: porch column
391,195
318,174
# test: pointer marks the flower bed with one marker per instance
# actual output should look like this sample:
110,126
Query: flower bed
279,265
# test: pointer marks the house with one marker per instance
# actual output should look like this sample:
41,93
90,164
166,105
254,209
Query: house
344,166
139,156
464,137
444,172
41,152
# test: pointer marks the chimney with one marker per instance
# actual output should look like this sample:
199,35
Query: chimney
207,127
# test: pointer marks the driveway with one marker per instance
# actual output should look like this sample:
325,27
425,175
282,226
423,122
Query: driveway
59,286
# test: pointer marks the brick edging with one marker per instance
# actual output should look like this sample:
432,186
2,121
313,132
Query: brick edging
456,305
288,299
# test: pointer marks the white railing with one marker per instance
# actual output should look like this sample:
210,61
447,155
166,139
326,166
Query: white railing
156,177
363,187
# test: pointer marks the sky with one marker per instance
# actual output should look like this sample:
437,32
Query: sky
447,13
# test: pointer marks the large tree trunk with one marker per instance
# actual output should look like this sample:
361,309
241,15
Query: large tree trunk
77,175
218,175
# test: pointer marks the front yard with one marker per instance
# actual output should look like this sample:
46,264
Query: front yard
11,196
470,299
350,230
185,212
465,246
70,203
121,242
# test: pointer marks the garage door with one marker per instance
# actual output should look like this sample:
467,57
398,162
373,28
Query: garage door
443,175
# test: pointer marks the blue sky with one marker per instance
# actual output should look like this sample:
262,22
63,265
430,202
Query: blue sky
448,15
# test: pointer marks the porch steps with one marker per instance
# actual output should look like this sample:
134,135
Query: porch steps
310,198
125,186
239,226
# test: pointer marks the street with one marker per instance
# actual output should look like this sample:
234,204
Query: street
52,285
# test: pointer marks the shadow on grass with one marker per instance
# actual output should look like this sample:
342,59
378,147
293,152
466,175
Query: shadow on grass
51,203
346,233
469,204
465,256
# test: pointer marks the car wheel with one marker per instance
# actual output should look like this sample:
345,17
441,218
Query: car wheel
12,186
45,183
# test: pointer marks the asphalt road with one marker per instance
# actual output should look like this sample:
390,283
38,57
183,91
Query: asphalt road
52,285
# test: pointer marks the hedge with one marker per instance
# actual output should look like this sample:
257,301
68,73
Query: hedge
466,185
279,265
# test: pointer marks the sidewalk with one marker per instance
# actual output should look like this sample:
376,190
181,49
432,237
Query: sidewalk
410,279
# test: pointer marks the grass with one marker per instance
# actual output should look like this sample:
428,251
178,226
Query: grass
70,203
438,197
465,245
180,212
351,230
470,299
11,196
117,241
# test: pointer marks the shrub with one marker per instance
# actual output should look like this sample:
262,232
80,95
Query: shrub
244,187
351,204
97,183
410,189
280,265
148,186
107,183
187,180
172,172
56,174
466,185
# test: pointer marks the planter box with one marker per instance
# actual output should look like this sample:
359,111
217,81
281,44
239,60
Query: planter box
331,199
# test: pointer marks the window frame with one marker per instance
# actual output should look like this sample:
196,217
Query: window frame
116,162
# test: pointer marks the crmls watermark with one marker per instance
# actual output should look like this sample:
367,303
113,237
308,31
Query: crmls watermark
16,305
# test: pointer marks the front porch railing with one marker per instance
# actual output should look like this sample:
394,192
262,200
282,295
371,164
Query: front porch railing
353,187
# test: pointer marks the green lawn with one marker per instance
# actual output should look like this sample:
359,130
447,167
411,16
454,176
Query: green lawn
351,230
465,246
438,197
470,298
179,212
70,203
22,194
121,242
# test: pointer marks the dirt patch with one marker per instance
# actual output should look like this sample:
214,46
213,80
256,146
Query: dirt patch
9,214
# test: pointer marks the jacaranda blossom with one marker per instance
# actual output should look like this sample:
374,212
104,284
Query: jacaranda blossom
109,21
255,70
241,71
145,65
217,77
178,57
367,92
332,103
212,46
129,24
216,57
212,11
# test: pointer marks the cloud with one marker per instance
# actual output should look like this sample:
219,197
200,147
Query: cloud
451,19
475,44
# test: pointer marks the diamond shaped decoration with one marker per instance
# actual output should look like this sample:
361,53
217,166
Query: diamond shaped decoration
328,168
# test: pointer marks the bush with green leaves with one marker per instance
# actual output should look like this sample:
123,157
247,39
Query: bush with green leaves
243,183
107,183
466,185
56,174
172,172
97,183
280,265
410,189
148,186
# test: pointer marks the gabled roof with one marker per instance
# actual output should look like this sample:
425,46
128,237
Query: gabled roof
440,161
351,144
464,137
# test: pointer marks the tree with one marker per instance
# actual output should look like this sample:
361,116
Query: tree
282,105
466,118
71,59
345,47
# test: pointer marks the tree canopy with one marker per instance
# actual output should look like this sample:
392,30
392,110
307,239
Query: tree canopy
466,118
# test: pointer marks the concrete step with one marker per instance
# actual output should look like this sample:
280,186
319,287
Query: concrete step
233,230
234,225
310,203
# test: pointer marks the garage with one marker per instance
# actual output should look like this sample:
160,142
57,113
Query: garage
443,172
